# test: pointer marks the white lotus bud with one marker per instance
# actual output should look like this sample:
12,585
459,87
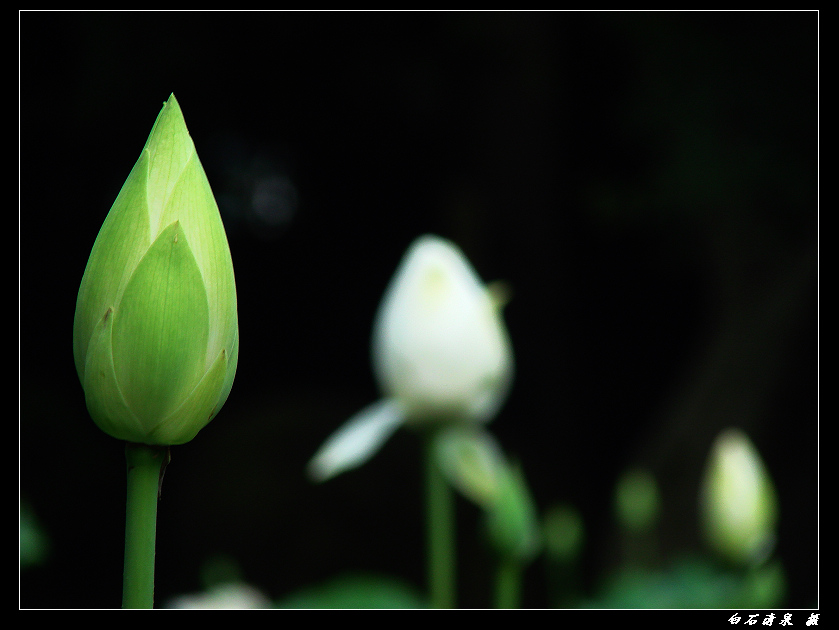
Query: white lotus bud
439,344
440,354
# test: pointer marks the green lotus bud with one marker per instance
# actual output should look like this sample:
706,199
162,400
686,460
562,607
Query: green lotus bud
156,335
738,503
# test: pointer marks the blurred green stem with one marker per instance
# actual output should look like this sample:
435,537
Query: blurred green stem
440,527
144,465
507,583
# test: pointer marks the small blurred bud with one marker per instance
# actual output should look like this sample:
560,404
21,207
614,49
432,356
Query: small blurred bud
564,533
472,462
738,504
637,501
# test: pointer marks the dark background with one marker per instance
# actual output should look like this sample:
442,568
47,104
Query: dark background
646,183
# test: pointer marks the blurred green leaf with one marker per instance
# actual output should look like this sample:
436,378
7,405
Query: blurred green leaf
693,583
356,591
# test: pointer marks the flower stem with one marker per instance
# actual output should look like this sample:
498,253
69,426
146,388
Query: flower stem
440,531
144,467
507,583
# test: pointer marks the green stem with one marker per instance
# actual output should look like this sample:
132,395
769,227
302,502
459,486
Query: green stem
507,583
144,466
440,531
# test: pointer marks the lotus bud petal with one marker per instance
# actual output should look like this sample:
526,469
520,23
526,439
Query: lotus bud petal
738,503
155,335
358,439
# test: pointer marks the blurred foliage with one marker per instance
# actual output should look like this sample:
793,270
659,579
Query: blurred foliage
692,583
356,591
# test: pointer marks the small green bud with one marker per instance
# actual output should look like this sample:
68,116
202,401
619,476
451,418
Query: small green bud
637,502
156,335
738,504
472,461
564,532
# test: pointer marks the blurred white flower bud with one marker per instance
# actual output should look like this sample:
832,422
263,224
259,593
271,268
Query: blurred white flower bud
439,344
440,353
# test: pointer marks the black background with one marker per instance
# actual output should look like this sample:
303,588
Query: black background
645,182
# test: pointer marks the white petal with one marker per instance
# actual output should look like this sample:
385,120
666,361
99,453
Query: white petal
358,439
